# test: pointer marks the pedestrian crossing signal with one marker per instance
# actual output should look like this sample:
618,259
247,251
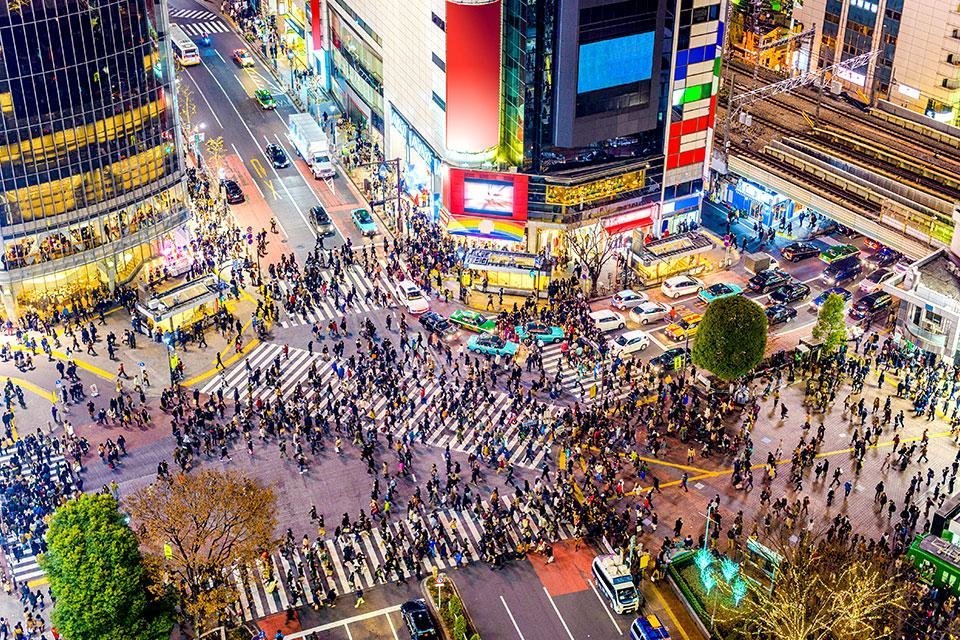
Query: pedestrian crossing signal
678,362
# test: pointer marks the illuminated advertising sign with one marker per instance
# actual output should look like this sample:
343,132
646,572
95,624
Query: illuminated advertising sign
492,197
615,62
486,194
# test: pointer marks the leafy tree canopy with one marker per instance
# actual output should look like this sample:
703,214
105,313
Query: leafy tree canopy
732,337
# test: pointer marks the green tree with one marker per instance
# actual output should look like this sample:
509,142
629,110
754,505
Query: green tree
831,327
97,575
731,338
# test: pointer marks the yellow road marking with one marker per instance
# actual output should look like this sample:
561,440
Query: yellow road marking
37,389
37,582
258,167
273,190
676,623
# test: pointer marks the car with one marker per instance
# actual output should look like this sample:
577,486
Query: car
539,332
607,320
842,271
205,40
779,314
412,298
873,281
797,251
719,291
650,312
668,359
436,323
870,243
678,286
265,99
420,623
768,280
838,252
840,291
364,222
885,257
322,219
630,342
791,292
685,327
648,627
492,345
628,299
233,191
277,156
473,321
871,304
243,58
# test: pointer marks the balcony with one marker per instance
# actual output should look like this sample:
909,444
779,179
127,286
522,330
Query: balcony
933,340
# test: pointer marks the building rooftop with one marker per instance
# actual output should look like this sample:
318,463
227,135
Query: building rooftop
941,273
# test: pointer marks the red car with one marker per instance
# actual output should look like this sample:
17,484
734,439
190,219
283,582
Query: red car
243,58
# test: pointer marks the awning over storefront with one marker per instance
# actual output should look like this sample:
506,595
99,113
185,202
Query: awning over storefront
628,221
672,248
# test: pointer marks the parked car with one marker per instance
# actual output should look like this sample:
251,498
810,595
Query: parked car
233,191
779,314
885,257
840,291
411,297
649,312
719,291
277,156
629,343
873,281
797,251
685,327
768,280
678,286
668,359
838,252
871,304
842,271
628,299
420,624
789,293
607,320
322,219
436,323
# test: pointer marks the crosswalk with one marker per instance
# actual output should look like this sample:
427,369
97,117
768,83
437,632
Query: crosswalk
326,310
26,569
192,14
293,369
582,383
300,578
204,28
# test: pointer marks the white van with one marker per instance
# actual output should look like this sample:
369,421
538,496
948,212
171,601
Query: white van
615,583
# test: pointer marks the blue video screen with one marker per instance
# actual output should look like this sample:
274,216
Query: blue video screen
611,63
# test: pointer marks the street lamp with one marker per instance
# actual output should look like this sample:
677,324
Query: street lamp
290,64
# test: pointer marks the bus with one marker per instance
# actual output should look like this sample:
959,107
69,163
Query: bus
937,561
184,49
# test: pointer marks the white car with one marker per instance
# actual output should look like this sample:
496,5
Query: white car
650,312
873,281
628,299
412,298
681,286
629,343
607,320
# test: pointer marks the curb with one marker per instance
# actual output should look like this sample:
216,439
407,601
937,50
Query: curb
431,603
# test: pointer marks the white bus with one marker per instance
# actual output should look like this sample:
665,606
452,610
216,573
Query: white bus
184,49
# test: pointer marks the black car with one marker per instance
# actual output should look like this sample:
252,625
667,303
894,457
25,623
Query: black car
419,622
277,156
871,304
885,257
767,280
668,358
322,219
233,191
436,323
779,314
797,251
793,292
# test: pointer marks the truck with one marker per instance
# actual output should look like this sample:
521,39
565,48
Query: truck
310,142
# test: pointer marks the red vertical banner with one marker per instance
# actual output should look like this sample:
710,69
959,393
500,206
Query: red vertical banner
474,32
316,26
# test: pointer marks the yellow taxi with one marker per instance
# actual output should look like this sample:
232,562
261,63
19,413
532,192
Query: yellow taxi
685,327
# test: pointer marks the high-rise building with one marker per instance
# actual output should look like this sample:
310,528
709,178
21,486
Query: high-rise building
91,167
524,118
918,64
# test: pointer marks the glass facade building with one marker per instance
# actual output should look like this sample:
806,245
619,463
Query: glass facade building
91,161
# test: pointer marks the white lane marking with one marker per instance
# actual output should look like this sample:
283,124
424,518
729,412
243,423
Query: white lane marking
512,619
562,621
605,607
392,628
209,106
343,623
256,142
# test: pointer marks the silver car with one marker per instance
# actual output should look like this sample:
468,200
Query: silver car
649,312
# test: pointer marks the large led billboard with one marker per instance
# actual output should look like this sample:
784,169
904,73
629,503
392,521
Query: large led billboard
486,194
615,62
492,197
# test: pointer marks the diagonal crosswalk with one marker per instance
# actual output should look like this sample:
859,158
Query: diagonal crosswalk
204,28
192,14
326,309
251,374
303,576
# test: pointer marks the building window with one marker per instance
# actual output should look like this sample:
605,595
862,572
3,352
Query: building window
437,100
440,63
437,20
